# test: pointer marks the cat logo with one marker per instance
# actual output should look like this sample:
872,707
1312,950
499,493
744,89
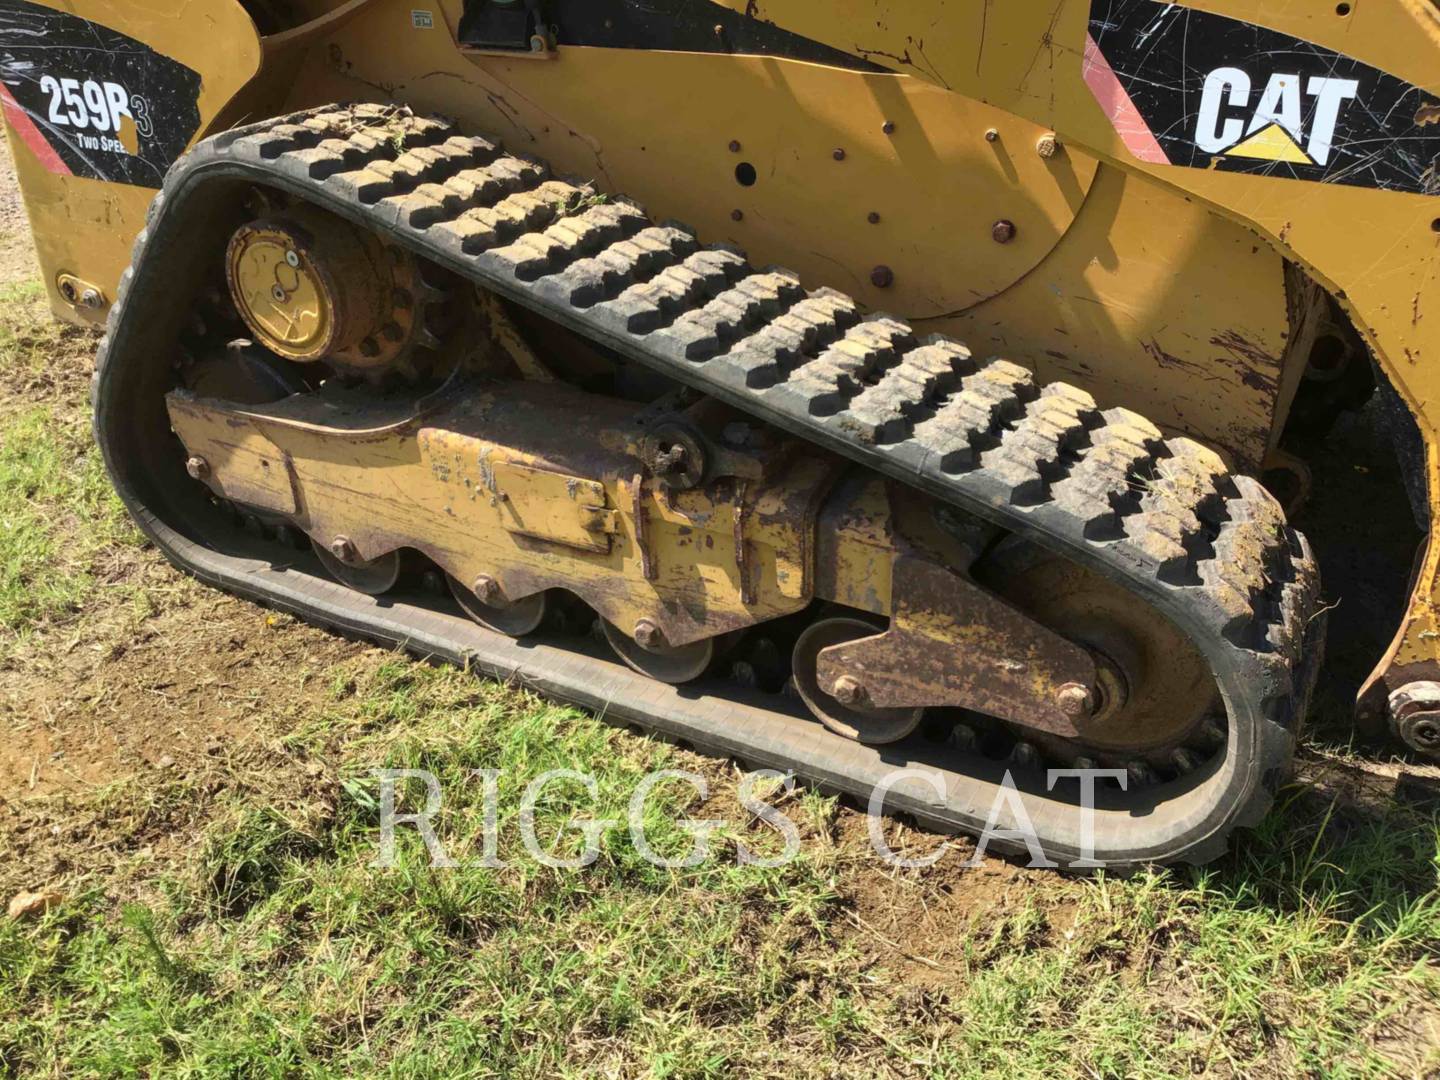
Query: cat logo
1293,122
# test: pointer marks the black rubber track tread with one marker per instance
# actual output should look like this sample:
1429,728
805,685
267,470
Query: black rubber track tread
1162,516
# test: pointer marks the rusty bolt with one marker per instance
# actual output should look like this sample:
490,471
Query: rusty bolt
888,127
734,146
874,217
882,277
992,134
1047,146
343,548
737,215
839,153
1003,231
1075,700
486,589
648,635
198,468
848,690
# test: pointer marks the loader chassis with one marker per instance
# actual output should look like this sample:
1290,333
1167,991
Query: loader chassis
467,385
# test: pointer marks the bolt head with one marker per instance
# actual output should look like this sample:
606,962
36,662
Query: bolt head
292,260
737,215
874,217
839,153
848,690
1075,700
1002,232
882,277
277,293
90,298
734,146
198,468
1047,146
648,635
888,127
343,549
486,589
992,135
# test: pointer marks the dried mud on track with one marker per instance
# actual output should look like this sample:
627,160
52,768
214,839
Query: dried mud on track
144,719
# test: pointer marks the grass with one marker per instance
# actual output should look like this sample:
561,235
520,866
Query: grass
222,916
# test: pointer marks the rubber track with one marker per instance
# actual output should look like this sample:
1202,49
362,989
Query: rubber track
1102,486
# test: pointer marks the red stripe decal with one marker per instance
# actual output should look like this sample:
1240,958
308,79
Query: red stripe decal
30,135
1129,124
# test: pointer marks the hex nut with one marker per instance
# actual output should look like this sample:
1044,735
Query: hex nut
1075,700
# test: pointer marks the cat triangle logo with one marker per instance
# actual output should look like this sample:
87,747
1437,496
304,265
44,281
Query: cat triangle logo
1271,143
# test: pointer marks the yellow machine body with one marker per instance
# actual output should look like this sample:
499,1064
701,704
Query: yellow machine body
962,171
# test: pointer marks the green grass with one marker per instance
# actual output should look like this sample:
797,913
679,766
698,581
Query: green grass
274,948
58,516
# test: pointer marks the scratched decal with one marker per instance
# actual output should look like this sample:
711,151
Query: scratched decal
1186,87
91,102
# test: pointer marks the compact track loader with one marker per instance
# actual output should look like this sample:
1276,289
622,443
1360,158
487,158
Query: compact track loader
840,387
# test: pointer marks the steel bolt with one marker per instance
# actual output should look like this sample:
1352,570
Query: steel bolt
344,549
874,217
1047,146
888,127
1415,716
882,277
1075,700
198,468
992,135
486,589
734,146
839,153
737,215
848,690
648,635
90,298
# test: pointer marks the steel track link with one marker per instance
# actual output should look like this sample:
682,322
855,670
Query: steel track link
1103,487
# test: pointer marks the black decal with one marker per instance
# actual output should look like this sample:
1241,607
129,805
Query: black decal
92,101
1217,93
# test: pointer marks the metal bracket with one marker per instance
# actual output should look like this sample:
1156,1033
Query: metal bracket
951,642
